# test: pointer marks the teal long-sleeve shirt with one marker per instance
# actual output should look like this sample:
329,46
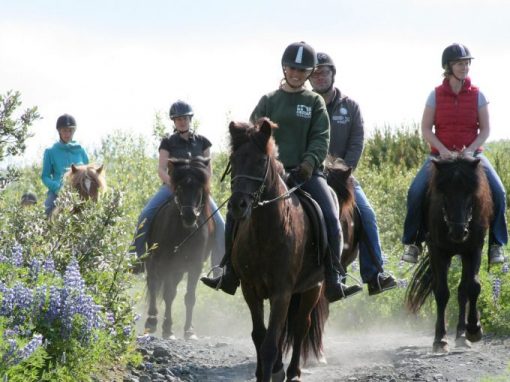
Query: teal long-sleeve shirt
303,126
58,159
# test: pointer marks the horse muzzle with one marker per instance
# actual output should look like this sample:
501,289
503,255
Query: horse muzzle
240,205
458,233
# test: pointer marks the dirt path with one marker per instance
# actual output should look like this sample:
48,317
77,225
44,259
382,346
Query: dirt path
362,358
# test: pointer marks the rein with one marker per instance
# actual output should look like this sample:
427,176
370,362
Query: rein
257,195
178,246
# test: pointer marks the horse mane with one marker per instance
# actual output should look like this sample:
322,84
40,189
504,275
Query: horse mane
340,179
77,175
463,174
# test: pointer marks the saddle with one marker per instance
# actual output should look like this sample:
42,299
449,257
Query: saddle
317,223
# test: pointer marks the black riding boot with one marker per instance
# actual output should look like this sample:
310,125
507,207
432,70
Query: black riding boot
335,275
228,282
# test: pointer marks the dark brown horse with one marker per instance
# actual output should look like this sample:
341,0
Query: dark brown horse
88,180
273,254
179,242
459,209
340,179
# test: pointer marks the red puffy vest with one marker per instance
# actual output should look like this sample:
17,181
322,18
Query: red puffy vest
456,116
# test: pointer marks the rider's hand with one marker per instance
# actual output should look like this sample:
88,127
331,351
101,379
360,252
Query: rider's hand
301,173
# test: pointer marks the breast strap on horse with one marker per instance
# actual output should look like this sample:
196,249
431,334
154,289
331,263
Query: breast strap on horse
317,223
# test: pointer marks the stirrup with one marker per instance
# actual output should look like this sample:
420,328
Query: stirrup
357,284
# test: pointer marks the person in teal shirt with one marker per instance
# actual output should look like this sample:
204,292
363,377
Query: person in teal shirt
59,158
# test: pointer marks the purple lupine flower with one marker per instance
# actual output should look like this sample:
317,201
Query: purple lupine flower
35,268
384,258
10,353
54,304
30,348
110,318
76,302
496,288
354,265
402,283
17,255
504,269
127,330
49,265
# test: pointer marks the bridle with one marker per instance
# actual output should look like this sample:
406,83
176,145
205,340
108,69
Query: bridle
256,196
464,224
197,209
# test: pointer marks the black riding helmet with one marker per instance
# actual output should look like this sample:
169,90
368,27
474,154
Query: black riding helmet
323,59
454,52
66,120
179,109
299,55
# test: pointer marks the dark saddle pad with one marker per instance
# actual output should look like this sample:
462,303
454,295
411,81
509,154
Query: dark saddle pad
318,224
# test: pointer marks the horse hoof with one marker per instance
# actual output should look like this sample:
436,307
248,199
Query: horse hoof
149,330
189,335
440,347
476,336
279,376
170,337
462,342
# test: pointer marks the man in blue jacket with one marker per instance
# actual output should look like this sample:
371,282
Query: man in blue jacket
346,142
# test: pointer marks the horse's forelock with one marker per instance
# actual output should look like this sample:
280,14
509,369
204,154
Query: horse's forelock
197,170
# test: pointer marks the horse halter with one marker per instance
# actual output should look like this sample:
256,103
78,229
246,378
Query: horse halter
464,224
257,195
197,209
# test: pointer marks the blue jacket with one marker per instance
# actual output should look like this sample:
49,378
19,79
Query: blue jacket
58,159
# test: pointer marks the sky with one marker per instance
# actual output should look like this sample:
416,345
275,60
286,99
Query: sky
114,64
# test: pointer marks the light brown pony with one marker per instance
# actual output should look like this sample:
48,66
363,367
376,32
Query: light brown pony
88,180
274,255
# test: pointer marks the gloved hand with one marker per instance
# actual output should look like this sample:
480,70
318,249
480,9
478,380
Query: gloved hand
301,173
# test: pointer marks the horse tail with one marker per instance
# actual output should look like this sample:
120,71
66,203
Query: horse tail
312,342
420,286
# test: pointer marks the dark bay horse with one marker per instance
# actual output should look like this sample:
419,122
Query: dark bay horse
179,242
459,210
274,255
340,179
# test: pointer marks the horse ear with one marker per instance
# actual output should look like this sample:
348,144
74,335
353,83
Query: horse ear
99,169
232,127
73,169
266,127
474,162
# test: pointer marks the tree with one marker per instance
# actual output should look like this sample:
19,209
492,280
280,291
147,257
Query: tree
14,131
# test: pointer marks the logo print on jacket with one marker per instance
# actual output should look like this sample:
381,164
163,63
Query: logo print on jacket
304,111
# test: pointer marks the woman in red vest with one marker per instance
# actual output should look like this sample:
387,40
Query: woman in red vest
455,120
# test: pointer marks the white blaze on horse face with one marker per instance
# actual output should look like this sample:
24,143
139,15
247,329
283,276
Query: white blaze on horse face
88,183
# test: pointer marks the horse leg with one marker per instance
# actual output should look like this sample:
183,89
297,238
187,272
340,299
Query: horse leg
442,295
269,349
153,285
460,339
189,300
474,330
256,306
308,301
173,278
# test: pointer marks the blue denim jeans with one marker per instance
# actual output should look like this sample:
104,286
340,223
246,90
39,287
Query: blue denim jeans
413,225
370,263
149,211
49,203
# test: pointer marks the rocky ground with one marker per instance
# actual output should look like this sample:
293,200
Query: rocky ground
371,356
